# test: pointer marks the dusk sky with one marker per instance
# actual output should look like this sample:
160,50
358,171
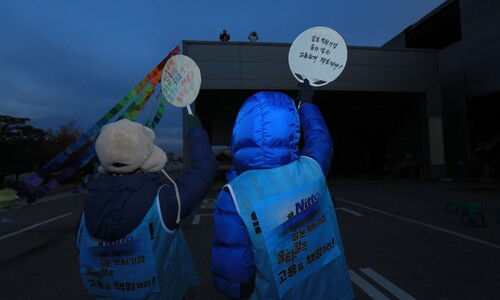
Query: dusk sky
63,61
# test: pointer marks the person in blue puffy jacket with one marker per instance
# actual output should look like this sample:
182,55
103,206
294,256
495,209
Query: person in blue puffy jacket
276,234
130,243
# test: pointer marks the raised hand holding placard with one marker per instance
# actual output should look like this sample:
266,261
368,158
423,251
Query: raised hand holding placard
318,54
181,81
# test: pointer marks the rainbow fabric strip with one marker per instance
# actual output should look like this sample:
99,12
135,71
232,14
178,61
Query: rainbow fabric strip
64,165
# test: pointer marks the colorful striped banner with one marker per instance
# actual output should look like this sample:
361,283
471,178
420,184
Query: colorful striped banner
34,187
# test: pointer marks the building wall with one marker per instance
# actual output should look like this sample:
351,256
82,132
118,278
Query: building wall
242,65
451,63
470,81
481,46
264,66
469,71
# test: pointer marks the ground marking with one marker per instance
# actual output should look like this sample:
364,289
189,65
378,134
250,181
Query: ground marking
366,286
389,286
197,218
357,214
422,224
34,226
23,203
208,203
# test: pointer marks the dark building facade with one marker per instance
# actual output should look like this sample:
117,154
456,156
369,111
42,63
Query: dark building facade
467,35
384,110
412,108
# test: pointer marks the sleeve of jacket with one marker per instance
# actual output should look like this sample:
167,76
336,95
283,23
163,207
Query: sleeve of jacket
194,183
318,143
233,269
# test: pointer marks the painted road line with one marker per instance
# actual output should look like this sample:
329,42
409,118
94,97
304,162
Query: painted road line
421,224
389,286
357,214
208,203
23,203
197,218
366,286
34,226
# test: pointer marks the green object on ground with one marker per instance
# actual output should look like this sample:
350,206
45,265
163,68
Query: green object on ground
453,205
473,212
8,197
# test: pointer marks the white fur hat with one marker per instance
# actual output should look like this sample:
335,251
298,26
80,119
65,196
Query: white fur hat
125,146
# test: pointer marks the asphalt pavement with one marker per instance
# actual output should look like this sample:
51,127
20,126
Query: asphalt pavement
399,240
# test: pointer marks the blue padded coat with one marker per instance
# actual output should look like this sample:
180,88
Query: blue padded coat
266,135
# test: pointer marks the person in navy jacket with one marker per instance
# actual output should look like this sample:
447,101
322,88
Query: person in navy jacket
270,168
129,239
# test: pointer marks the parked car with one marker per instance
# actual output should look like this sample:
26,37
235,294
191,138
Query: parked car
224,159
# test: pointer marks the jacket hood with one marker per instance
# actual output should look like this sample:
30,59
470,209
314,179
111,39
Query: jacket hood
266,132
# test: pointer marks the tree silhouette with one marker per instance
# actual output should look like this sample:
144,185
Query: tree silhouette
24,148
21,146
60,138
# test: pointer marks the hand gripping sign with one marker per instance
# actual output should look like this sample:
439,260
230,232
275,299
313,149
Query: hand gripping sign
319,55
180,81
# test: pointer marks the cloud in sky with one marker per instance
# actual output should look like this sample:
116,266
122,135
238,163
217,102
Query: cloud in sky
63,61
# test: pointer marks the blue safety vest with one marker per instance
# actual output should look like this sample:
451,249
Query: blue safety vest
289,215
152,262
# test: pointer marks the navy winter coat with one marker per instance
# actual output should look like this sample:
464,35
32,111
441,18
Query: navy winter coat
116,205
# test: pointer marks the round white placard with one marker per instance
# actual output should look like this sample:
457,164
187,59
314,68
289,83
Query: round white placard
180,80
318,54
